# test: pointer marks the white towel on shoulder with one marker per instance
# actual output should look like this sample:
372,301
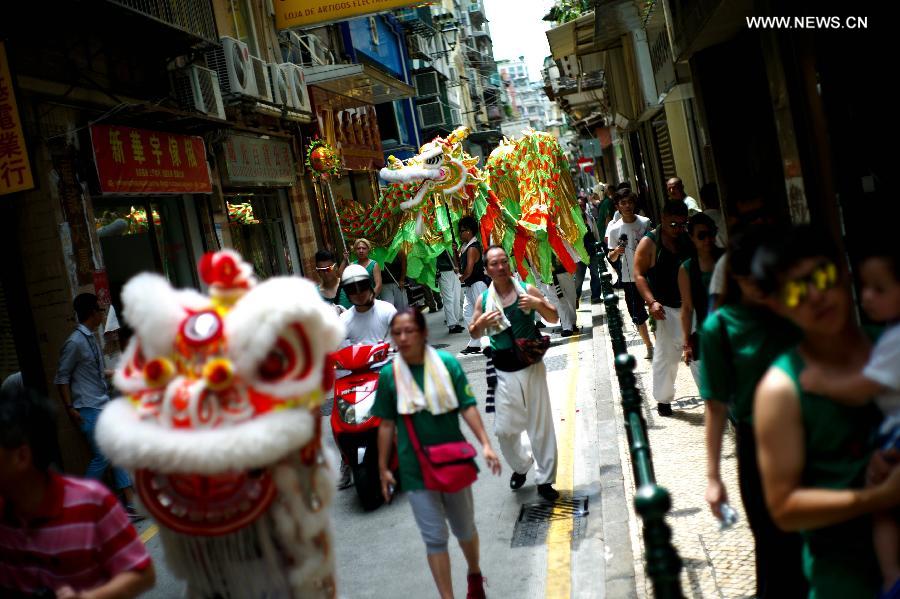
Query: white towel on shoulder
439,394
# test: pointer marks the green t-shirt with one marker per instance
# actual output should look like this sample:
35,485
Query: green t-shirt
522,324
605,211
430,429
340,299
838,560
370,268
738,343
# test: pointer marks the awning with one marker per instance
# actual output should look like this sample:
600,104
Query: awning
358,81
564,38
612,20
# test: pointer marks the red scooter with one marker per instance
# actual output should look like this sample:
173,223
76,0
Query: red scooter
354,427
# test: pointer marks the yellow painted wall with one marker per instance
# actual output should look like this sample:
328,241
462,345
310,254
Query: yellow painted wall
685,163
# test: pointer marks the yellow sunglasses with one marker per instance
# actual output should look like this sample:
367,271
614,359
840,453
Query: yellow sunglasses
795,291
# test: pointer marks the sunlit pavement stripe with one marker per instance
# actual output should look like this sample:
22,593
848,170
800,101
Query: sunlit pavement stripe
559,537
149,533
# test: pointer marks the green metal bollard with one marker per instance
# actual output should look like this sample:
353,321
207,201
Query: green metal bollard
663,563
615,324
651,502
635,425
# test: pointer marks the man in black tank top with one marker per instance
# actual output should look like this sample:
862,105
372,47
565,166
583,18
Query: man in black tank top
471,274
656,263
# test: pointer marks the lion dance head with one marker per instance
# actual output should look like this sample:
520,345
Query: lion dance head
219,422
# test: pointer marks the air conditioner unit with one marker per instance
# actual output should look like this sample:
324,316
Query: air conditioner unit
279,81
426,84
418,46
455,118
431,114
313,51
298,95
197,88
261,73
234,67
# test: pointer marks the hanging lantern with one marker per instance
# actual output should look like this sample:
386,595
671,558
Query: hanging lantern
322,159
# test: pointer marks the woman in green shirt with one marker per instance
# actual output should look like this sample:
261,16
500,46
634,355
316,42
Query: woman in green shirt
362,248
694,276
434,406
813,451
739,341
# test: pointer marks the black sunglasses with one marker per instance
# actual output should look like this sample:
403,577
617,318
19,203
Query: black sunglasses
702,235
675,225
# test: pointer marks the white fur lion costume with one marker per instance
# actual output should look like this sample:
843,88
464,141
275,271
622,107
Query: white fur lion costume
220,424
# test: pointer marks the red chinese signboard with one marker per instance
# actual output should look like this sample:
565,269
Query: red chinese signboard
141,161
15,172
101,288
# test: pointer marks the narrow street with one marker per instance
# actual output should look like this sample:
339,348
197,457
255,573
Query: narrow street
580,547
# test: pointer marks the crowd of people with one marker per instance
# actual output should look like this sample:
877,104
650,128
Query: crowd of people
763,316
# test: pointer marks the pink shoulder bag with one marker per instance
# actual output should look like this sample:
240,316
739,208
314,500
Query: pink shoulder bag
446,467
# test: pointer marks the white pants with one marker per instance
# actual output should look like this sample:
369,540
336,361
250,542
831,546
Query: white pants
523,405
667,356
566,304
394,295
473,293
451,297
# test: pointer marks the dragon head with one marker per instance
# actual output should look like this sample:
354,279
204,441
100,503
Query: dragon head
440,166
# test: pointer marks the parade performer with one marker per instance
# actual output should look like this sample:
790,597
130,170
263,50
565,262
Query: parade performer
220,424
524,200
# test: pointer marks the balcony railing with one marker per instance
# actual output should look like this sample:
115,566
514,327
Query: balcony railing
476,12
194,17
417,20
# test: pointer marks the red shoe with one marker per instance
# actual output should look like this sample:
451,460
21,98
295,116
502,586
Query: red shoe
476,586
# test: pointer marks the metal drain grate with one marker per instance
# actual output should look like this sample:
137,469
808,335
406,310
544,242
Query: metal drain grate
535,518
440,345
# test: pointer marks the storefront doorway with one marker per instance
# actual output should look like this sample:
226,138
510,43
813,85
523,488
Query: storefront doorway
259,224
169,243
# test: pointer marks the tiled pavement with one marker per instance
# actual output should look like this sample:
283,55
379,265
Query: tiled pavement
716,564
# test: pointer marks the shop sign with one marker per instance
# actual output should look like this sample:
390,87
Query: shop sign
101,288
15,170
302,13
257,162
139,161
77,236
586,165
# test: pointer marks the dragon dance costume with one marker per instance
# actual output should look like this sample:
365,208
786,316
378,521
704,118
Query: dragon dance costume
524,200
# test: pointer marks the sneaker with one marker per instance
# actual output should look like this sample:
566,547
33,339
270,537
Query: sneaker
664,409
133,514
456,329
471,350
649,355
516,481
346,480
476,586
548,492
596,300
